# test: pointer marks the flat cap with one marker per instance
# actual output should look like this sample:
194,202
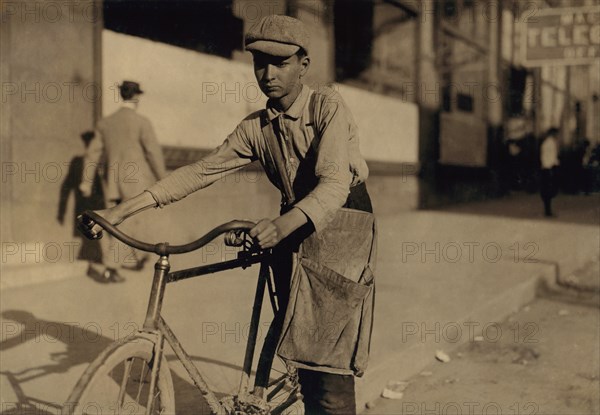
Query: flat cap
277,35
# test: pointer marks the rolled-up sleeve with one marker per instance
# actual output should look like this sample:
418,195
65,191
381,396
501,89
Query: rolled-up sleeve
232,155
332,167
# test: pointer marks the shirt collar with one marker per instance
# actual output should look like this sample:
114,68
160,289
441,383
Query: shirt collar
295,110
129,104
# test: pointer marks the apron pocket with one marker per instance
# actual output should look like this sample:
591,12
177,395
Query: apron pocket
365,329
323,323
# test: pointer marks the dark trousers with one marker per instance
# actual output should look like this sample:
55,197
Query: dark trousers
327,393
548,189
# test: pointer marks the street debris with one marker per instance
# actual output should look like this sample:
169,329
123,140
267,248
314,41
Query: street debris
394,389
524,355
563,312
451,380
371,404
442,356
585,278
572,279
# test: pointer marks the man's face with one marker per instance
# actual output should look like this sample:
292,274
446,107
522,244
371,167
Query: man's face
278,76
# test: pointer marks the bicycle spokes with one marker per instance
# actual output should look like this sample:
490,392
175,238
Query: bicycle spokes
124,390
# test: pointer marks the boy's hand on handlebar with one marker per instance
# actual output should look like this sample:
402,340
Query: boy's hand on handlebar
85,188
266,233
91,229
88,227
269,232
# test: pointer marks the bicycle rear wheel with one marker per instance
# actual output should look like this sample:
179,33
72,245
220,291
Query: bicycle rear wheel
276,382
283,392
118,382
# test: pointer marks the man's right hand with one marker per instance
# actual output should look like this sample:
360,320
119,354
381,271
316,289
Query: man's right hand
85,188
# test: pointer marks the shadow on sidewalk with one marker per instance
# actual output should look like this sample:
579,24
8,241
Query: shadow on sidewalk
20,327
83,345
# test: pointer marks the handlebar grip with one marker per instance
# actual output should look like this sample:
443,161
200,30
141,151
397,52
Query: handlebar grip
85,224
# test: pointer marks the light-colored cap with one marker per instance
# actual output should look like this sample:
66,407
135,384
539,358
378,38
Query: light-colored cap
277,35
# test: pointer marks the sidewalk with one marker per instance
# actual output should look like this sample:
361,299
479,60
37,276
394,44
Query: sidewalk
576,209
442,278
447,276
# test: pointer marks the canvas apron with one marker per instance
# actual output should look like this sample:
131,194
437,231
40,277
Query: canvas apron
328,316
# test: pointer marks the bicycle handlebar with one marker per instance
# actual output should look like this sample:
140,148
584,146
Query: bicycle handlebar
88,219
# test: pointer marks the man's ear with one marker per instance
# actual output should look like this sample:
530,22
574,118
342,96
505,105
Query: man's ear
305,65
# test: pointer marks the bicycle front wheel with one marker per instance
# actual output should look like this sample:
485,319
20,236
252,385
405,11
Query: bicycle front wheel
118,382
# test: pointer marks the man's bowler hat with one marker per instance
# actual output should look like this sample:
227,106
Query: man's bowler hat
277,35
130,88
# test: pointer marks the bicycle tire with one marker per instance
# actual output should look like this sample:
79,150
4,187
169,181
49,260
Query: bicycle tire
83,398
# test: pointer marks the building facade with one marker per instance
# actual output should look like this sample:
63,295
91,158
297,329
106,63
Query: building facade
437,88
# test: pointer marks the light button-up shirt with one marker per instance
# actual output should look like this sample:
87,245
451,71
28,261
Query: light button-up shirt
320,145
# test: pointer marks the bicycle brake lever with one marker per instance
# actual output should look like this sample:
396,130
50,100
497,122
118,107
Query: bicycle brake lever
234,238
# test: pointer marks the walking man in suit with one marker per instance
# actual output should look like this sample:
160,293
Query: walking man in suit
131,160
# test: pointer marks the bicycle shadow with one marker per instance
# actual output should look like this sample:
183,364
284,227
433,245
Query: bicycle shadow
83,345
24,404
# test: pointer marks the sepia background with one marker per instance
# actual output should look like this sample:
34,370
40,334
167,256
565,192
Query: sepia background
451,98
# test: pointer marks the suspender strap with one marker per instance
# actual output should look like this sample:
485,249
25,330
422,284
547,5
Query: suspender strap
274,149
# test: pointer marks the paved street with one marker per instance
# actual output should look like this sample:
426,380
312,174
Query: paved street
543,361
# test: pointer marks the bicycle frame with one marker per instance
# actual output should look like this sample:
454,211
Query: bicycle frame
156,325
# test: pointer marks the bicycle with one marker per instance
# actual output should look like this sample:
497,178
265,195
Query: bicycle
132,375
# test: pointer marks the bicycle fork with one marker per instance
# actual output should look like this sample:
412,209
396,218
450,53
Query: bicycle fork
155,324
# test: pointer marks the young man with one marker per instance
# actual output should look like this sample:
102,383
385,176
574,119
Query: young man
318,144
133,159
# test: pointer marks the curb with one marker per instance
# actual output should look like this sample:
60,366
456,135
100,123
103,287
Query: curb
22,275
404,364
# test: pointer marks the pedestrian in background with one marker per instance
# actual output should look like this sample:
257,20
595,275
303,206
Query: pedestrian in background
126,148
549,164
586,167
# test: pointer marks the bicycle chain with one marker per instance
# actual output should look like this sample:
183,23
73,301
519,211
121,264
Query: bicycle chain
247,405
